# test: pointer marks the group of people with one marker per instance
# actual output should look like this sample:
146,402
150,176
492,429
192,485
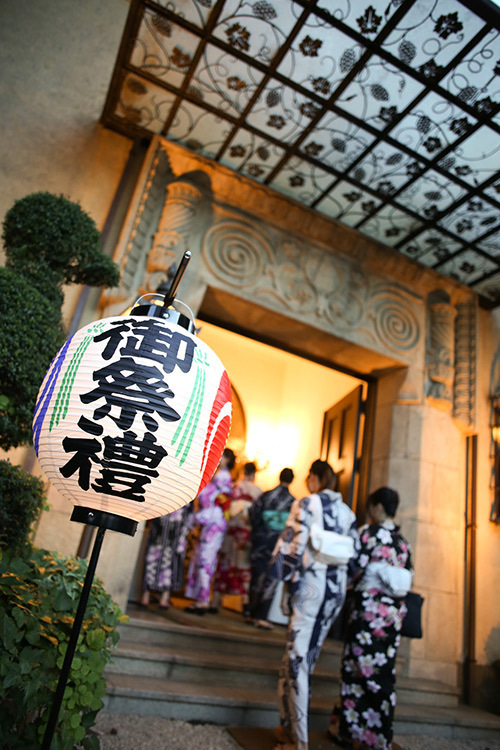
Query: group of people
235,526
250,541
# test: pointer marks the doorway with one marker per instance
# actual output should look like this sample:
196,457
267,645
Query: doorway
289,413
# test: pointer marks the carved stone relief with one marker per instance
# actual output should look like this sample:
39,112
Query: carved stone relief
243,247
309,283
451,357
440,355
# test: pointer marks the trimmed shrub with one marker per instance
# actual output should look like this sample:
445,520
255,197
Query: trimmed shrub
51,228
38,599
32,333
22,497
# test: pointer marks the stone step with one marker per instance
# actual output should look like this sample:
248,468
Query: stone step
201,666
189,632
246,706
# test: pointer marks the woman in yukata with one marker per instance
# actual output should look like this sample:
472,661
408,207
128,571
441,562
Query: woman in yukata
316,595
268,516
164,559
233,568
368,696
211,515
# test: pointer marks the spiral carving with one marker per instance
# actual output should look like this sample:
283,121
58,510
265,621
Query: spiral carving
396,324
235,253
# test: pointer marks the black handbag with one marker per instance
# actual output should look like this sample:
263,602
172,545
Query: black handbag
412,623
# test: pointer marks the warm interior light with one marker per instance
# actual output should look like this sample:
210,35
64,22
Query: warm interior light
272,448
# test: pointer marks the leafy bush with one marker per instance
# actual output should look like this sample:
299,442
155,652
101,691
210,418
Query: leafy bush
48,227
31,333
22,497
38,599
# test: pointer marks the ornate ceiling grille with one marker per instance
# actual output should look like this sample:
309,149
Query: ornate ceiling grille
382,114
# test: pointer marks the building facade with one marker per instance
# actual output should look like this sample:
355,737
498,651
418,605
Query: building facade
271,269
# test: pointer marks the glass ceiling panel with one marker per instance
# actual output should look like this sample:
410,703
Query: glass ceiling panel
257,29
431,194
384,115
224,81
347,204
378,93
385,169
319,59
489,289
163,49
251,154
301,180
337,142
467,267
477,158
433,125
282,112
144,104
430,247
471,220
475,77
366,19
194,11
198,129
433,32
389,225
490,245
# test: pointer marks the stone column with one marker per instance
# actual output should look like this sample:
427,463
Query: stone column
171,239
464,396
440,356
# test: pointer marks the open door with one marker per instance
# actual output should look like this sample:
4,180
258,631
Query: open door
340,441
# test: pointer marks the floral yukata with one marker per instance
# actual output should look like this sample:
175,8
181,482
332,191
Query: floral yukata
373,635
212,501
317,593
233,569
164,559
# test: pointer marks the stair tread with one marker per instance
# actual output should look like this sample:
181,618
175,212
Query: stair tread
160,689
151,652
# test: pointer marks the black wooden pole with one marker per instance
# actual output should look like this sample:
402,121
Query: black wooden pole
75,632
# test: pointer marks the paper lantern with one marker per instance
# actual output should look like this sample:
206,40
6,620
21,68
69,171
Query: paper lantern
132,416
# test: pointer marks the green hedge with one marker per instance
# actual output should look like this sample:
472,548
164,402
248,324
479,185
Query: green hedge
38,599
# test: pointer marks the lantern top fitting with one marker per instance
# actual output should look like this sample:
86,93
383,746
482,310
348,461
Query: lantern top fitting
160,306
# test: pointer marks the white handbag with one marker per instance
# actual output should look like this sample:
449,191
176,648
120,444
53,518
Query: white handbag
329,547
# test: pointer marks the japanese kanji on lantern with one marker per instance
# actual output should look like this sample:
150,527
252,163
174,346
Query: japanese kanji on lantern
132,416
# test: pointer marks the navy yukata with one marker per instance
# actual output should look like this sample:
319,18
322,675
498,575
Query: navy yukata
317,593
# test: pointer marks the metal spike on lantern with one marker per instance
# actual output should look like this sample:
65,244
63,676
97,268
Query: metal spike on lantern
130,423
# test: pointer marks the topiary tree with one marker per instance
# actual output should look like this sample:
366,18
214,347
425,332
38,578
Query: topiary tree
51,228
22,497
49,241
31,332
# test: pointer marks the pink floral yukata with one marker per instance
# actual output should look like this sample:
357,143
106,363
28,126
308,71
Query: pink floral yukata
373,635
210,517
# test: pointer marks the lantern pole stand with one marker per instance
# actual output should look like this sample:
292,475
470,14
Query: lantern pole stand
103,521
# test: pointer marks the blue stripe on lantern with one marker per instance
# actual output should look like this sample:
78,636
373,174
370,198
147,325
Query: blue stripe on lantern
45,397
